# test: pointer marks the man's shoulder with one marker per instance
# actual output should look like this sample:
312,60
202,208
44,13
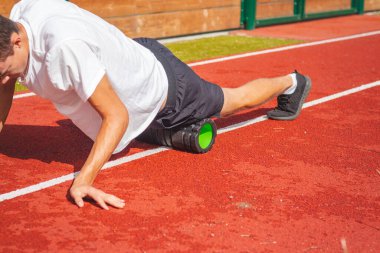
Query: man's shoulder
26,9
45,15
46,19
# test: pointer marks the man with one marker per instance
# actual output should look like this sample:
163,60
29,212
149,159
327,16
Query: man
113,87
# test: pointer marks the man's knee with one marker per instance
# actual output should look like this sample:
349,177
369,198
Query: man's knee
230,102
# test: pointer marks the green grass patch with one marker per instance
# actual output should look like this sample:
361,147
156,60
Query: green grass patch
206,48
19,87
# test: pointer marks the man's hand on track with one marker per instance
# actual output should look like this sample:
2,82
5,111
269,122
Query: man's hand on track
81,191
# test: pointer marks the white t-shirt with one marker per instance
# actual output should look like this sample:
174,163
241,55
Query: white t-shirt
71,49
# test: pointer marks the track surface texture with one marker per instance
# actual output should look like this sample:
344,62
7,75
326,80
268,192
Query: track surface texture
309,185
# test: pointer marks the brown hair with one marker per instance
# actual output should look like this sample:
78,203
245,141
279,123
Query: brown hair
7,28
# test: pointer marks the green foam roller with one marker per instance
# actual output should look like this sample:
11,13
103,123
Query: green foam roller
195,138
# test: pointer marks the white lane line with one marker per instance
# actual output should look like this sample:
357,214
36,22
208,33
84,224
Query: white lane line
71,176
238,56
29,94
305,105
123,160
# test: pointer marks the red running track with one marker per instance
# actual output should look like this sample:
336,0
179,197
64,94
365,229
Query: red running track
274,186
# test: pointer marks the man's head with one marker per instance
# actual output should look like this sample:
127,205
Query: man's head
7,28
14,49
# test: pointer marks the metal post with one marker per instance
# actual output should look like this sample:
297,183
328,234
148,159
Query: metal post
250,14
358,5
242,14
299,8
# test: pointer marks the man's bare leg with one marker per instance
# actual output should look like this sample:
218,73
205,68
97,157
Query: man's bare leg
253,93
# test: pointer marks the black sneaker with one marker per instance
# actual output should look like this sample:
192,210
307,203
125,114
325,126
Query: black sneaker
289,106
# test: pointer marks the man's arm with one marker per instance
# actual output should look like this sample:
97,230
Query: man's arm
114,124
6,97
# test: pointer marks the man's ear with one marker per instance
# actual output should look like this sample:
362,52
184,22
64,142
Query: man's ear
16,40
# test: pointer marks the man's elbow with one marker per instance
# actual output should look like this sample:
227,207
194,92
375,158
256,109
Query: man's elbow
1,126
120,118
125,118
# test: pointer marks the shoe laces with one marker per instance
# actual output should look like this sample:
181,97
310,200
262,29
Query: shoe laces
282,102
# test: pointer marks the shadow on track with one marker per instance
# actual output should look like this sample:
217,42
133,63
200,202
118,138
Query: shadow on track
67,144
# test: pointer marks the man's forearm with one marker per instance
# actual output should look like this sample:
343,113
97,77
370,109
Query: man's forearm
109,136
114,116
6,98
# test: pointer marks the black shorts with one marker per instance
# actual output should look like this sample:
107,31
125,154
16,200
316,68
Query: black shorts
190,98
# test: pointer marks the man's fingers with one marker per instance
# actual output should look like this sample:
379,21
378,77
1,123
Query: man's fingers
114,201
101,202
99,196
79,201
77,196
103,199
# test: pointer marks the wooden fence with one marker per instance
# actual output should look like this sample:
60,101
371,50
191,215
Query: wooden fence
166,18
